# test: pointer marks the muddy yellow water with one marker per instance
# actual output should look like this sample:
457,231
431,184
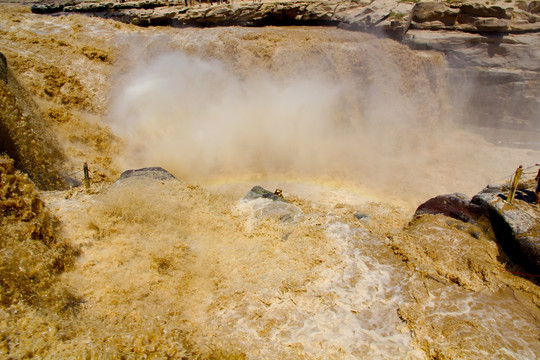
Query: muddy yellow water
356,131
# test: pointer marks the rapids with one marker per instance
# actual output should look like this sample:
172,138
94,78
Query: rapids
355,129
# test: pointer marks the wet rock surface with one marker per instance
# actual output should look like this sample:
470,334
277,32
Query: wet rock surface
456,206
516,226
260,192
266,204
156,173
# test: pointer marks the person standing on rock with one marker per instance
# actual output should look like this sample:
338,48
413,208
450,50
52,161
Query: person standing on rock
537,191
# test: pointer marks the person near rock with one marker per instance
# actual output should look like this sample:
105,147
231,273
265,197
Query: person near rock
537,191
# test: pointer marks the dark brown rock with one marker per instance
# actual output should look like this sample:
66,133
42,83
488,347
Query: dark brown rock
456,206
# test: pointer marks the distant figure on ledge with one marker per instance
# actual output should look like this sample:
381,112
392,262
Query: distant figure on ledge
537,191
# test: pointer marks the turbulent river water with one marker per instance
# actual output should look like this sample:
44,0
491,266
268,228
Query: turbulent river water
356,130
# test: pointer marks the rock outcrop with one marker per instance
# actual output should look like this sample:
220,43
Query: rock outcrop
260,192
265,204
156,173
516,226
391,17
490,50
456,206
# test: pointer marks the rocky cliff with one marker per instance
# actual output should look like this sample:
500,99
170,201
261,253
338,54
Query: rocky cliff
392,17
491,47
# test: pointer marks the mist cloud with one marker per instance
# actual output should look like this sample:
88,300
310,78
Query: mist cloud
388,130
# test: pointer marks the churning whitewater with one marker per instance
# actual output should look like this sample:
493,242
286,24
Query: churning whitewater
355,129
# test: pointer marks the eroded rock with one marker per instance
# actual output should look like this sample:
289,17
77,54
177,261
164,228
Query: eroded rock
266,204
485,10
259,192
456,206
516,227
389,16
473,23
434,11
156,173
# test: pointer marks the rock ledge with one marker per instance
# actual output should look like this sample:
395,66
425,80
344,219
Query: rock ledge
387,16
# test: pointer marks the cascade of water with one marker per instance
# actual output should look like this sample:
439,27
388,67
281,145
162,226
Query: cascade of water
25,139
169,269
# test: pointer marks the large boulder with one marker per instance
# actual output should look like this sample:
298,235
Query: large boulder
259,192
516,227
265,204
457,206
156,173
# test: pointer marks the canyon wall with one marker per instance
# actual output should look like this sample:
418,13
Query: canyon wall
491,49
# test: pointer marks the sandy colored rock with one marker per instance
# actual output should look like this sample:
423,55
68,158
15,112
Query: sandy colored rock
484,10
482,24
434,11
